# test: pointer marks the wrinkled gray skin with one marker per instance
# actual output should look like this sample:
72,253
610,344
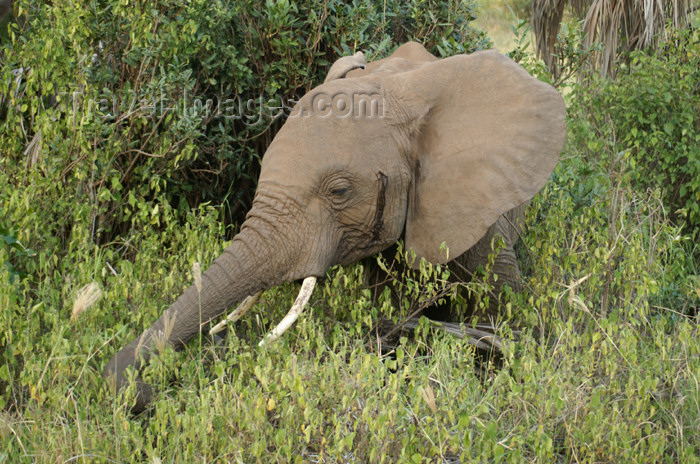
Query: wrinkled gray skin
452,152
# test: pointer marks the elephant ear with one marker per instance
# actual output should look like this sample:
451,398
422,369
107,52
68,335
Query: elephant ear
344,65
484,138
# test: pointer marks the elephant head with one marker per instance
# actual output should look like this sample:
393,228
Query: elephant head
414,147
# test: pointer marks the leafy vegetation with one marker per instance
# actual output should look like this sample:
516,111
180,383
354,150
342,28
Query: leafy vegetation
652,124
9,242
605,365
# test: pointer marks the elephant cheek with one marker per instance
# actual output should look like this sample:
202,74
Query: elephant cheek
370,230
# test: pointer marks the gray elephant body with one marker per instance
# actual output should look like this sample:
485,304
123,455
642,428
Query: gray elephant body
431,151
505,266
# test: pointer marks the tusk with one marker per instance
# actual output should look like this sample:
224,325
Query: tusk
307,287
238,313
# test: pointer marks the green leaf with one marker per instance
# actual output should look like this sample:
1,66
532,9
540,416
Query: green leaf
9,239
4,373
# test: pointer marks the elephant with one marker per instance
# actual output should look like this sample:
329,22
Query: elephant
442,153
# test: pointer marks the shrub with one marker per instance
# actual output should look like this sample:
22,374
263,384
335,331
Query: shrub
646,123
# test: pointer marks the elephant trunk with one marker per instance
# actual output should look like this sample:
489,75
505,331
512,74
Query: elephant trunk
244,268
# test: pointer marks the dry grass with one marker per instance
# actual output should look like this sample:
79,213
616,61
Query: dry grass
86,297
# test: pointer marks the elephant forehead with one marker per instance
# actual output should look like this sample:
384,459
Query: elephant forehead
315,143
342,100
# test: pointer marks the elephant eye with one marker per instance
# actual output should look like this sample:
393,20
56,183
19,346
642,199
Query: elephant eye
338,189
338,192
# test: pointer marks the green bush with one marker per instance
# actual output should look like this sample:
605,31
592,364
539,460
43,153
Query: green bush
646,123
641,132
